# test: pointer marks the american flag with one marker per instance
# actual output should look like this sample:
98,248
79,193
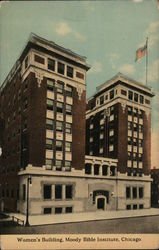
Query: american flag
141,52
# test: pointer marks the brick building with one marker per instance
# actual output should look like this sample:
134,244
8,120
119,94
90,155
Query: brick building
118,126
43,134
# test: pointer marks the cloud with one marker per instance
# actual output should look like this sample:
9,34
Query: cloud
153,72
152,33
127,68
114,57
96,68
154,149
63,29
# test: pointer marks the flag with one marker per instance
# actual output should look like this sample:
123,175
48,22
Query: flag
141,52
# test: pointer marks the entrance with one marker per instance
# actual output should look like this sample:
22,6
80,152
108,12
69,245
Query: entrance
101,203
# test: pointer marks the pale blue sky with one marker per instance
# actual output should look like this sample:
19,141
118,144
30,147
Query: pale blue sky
108,33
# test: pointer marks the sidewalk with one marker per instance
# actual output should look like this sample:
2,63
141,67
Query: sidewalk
35,220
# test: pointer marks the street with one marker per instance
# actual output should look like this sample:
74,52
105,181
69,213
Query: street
148,224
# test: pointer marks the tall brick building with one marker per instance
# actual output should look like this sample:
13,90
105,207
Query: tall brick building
43,133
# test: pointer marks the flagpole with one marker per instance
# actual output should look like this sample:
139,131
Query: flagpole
146,59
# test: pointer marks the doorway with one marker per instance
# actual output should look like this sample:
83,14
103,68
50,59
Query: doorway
101,203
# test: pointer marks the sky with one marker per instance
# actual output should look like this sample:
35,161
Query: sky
108,33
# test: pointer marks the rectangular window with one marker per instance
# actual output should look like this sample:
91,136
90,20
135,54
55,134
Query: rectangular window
24,192
135,206
68,128
58,165
48,162
51,64
68,109
59,107
101,100
141,206
39,59
59,145
68,192
134,192
25,103
47,192
47,210
60,87
67,165
141,99
128,207
69,90
111,94
49,124
49,144
70,71
25,84
130,95
147,101
128,193
79,75
26,62
58,210
50,84
141,192
50,104
61,68
68,210
58,191
123,92
96,169
68,146
59,126
135,97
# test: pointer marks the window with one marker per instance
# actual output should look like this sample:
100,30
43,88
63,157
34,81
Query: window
58,165
68,193
147,101
68,146
140,128
111,94
59,107
48,162
49,144
69,90
24,192
141,192
25,124
25,103
68,109
26,62
60,87
123,92
67,165
135,206
61,68
129,140
79,75
12,193
59,126
96,169
68,210
70,71
58,210
7,193
101,100
128,207
58,191
134,192
130,125
130,95
141,206
49,124
129,110
49,104
68,128
104,170
47,192
140,143
47,210
25,84
135,97
106,97
141,99
128,193
50,84
51,64
39,59
88,168
59,145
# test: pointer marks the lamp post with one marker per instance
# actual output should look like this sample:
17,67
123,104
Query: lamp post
27,208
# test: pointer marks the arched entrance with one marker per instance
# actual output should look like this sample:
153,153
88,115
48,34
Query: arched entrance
101,199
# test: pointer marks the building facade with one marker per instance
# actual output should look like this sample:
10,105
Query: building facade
118,126
44,134
155,187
